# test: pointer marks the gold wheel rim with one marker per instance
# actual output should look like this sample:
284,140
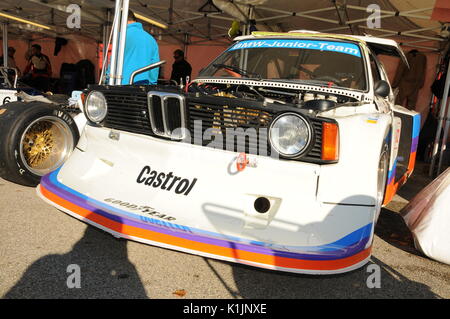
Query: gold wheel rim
45,145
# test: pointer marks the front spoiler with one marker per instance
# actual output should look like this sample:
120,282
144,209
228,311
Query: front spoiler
340,256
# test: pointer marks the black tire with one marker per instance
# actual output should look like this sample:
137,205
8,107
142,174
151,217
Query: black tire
16,119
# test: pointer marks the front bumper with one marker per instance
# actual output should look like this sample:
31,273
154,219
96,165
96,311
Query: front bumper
104,184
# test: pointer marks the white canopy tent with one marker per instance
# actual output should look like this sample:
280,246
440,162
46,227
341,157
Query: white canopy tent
410,20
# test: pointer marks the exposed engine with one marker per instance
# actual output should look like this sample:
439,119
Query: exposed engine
320,101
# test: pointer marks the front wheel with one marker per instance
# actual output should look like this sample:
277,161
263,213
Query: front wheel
382,178
36,139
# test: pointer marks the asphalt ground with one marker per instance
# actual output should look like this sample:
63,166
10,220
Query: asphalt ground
38,243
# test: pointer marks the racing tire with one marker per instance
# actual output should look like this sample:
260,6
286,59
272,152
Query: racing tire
35,139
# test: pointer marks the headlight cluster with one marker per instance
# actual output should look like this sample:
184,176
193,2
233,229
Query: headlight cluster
290,135
95,107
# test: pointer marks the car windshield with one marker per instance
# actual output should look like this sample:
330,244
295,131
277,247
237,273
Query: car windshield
319,62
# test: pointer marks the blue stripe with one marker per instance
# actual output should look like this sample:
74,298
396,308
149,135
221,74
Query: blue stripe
416,126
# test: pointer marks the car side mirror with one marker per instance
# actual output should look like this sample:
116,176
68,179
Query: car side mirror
382,88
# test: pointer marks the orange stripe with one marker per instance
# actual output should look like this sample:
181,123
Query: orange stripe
391,189
412,162
207,248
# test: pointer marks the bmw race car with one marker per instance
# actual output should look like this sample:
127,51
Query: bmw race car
279,155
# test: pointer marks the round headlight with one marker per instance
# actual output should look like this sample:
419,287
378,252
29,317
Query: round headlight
96,107
290,134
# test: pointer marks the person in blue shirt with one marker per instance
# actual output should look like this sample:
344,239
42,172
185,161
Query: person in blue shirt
141,50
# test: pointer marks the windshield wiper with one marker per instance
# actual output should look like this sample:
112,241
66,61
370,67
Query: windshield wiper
238,70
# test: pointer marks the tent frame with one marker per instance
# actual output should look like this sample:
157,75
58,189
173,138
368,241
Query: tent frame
5,43
341,6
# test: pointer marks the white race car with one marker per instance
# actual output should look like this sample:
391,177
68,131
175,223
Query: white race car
279,155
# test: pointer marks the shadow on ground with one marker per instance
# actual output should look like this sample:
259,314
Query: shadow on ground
106,272
256,283
392,229
418,180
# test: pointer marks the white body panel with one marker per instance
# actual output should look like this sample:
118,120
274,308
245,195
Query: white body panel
353,179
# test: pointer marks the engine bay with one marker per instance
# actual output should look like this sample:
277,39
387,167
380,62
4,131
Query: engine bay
303,99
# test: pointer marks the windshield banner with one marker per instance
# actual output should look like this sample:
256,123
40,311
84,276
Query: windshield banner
342,47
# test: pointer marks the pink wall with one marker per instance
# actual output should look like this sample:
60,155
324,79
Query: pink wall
198,56
76,49
79,48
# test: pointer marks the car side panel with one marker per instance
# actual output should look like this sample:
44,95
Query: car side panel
403,163
355,175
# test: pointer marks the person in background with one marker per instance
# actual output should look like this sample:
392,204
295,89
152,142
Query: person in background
410,79
141,50
11,64
11,60
40,69
181,69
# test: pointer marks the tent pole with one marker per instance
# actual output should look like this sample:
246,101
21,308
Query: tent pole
446,119
115,41
440,124
107,35
186,44
5,43
104,44
105,60
438,129
438,68
106,31
123,35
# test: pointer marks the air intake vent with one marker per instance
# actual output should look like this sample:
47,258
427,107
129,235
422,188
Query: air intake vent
167,113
